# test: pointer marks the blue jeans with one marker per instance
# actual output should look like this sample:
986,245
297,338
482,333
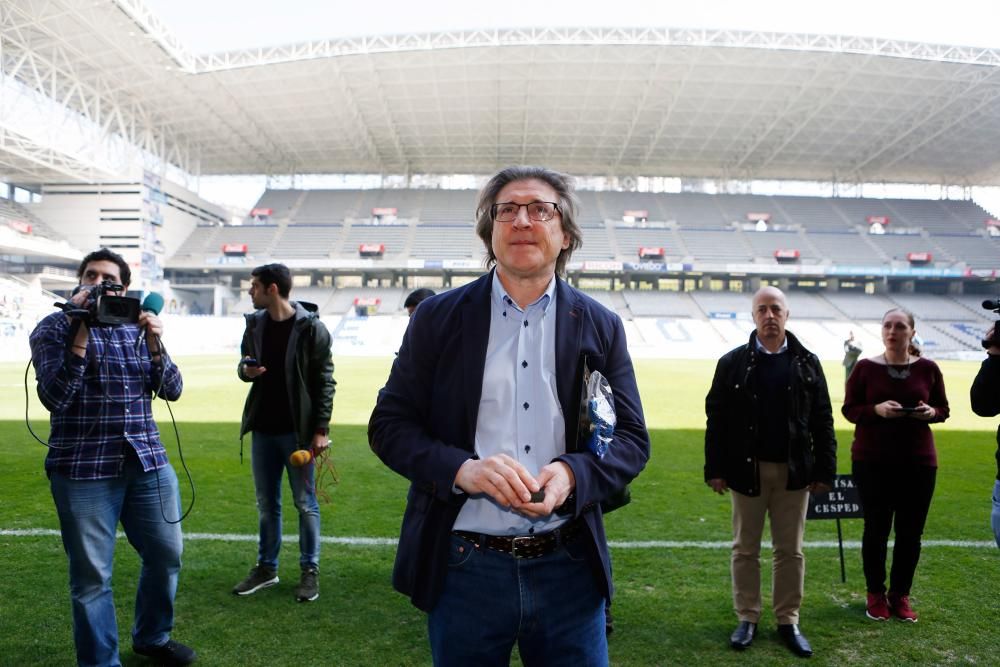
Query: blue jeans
89,512
995,515
551,606
270,459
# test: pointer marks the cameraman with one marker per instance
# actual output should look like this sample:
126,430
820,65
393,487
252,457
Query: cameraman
985,396
106,463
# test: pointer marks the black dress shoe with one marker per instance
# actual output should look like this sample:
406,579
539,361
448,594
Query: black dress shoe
795,640
742,636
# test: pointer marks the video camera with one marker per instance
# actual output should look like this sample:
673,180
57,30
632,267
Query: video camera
102,309
995,338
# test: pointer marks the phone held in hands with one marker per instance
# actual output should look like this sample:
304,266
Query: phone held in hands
910,409
251,362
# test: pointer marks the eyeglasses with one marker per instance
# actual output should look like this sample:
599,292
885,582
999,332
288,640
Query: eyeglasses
538,211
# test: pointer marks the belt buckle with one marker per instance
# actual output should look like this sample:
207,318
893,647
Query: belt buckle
526,541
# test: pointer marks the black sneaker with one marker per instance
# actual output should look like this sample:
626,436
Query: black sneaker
171,653
308,588
259,577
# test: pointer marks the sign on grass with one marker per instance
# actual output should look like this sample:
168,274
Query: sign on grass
841,502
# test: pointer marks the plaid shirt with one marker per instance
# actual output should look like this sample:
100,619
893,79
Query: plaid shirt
99,404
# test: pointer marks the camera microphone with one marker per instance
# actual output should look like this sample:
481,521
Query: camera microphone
153,303
991,305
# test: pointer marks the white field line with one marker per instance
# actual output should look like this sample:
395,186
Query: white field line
391,541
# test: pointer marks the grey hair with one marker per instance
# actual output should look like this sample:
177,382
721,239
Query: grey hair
568,205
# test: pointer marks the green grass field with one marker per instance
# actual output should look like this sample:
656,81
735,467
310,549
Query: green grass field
673,604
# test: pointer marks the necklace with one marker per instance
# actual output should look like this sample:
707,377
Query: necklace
898,373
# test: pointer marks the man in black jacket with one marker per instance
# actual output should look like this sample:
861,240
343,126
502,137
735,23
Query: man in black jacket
985,395
287,360
770,439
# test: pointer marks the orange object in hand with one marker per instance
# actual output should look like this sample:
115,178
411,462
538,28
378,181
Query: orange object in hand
300,457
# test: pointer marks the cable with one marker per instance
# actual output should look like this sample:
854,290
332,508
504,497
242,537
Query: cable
156,393
177,436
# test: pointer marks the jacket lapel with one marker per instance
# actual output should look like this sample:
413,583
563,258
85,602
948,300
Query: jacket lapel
475,327
569,334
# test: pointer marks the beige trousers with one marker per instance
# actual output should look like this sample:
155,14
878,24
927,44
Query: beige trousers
787,511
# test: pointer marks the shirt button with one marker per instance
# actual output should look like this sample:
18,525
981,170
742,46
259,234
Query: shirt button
527,448
525,405
526,323
524,364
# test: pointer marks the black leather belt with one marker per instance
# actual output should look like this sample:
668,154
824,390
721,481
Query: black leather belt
527,546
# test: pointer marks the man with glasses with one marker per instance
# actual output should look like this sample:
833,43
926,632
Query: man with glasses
503,538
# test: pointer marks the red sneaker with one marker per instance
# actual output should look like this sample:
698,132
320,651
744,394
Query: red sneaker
900,605
877,608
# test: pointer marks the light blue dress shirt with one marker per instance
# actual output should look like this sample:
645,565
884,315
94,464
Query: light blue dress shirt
519,412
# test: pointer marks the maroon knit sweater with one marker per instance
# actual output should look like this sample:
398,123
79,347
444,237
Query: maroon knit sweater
902,440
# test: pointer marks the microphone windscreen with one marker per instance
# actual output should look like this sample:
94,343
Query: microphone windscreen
153,303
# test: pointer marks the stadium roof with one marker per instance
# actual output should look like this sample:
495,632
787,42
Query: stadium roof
602,101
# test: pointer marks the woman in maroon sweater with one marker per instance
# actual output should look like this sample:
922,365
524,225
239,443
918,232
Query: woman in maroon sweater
891,399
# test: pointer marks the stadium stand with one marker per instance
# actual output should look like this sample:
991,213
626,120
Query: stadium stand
284,204
932,307
859,306
598,245
445,242
763,245
326,207
715,245
695,210
975,250
448,207
656,303
199,241
12,211
847,247
630,239
722,303
895,247
813,213
856,212
589,214
736,207
309,241
397,239
434,224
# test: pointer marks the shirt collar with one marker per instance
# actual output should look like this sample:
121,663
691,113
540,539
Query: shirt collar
501,298
764,350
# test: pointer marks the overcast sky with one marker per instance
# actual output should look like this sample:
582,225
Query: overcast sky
220,25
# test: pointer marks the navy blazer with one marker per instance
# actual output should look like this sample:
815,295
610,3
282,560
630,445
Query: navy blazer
424,422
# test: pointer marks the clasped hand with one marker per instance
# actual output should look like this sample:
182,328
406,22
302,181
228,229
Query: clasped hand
510,484
894,410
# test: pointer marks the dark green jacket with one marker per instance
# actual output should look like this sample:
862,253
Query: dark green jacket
308,372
